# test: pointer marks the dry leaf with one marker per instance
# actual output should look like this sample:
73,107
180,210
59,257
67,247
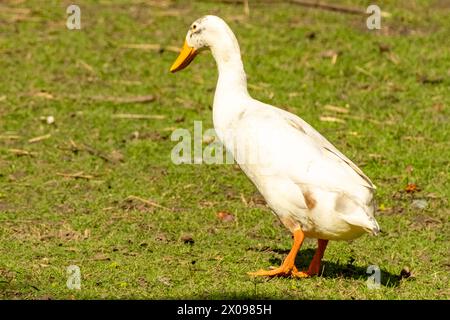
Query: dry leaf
438,107
225,216
164,280
411,188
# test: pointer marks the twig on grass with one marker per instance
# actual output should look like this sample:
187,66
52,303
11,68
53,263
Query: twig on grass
329,6
20,152
138,116
76,175
317,5
147,202
10,137
40,138
331,119
246,8
75,148
118,100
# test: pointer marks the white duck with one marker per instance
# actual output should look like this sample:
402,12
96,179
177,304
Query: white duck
313,188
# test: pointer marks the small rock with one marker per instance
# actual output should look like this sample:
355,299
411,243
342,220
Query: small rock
419,204
384,47
405,273
161,237
164,280
134,135
225,216
49,119
116,156
328,54
187,239
311,35
208,139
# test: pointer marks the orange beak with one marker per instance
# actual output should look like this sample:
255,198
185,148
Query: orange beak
185,57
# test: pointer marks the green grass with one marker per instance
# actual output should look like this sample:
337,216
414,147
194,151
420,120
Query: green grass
397,131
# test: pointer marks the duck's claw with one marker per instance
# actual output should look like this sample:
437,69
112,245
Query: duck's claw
278,272
301,274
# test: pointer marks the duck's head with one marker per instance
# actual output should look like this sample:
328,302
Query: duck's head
208,32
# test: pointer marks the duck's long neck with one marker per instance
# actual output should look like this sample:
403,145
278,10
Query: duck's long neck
231,90
232,77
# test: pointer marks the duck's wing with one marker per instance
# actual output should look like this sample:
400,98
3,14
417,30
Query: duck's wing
320,140
296,161
289,147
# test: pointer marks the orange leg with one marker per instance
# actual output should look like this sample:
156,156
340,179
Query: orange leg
314,267
287,267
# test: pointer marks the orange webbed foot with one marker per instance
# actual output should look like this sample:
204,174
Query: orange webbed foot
278,272
288,267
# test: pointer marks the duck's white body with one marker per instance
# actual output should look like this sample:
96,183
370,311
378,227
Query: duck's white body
305,180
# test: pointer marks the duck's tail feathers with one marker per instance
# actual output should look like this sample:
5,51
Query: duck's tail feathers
357,214
363,220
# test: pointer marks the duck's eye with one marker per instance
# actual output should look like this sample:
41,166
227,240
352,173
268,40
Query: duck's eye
194,27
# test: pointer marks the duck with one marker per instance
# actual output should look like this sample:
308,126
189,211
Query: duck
312,187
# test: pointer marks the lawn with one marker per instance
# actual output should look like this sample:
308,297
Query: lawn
86,176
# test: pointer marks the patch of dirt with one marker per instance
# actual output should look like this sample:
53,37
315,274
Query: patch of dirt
440,5
268,249
4,207
390,211
257,200
421,222
131,204
16,176
151,135
38,231
6,275
156,173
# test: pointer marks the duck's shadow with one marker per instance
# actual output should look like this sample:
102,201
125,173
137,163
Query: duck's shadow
333,270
